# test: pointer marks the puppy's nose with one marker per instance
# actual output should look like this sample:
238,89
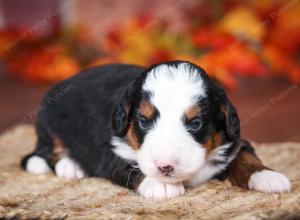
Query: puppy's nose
166,169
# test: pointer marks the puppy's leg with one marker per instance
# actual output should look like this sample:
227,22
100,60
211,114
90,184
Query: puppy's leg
153,188
69,169
247,171
50,154
128,174
38,162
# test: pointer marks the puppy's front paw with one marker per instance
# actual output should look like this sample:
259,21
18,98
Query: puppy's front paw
68,169
153,188
269,181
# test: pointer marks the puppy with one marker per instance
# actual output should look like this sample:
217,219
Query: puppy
155,130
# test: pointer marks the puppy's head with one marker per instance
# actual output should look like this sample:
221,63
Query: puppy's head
171,119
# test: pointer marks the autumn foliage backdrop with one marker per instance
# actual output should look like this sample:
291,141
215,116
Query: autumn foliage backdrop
229,39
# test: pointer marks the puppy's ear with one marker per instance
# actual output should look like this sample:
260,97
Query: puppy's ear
120,118
231,120
228,115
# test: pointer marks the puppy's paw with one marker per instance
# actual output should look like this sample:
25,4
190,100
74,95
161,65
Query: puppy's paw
153,188
269,181
69,169
37,165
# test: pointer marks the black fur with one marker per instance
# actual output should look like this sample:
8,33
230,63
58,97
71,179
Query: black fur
123,109
228,122
81,119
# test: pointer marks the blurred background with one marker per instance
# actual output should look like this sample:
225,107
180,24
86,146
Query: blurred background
251,47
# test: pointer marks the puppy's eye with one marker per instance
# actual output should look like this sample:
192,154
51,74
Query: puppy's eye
194,125
143,123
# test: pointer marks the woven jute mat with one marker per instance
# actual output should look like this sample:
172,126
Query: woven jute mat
28,196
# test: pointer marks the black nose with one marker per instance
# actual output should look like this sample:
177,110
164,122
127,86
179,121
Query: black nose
166,169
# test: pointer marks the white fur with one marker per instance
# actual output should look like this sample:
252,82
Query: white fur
269,181
173,91
218,154
153,188
171,85
208,170
69,169
123,149
37,165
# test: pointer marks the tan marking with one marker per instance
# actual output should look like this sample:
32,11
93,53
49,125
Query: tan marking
225,112
192,112
213,142
146,109
242,167
127,109
59,150
132,137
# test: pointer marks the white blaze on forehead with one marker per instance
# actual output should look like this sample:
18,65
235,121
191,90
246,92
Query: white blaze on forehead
174,89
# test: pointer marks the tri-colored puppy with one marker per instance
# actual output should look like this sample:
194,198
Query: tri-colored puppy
155,130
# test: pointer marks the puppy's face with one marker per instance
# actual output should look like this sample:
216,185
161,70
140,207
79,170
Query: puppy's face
170,121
